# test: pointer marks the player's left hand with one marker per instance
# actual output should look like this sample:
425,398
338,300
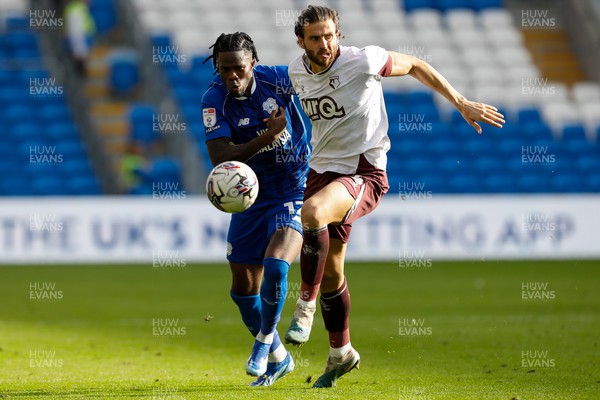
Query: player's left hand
473,111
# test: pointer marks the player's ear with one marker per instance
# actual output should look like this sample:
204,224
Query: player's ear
301,42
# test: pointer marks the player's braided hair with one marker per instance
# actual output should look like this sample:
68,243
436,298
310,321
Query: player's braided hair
231,42
313,14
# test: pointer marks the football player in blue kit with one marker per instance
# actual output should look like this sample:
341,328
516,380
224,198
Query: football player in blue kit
249,116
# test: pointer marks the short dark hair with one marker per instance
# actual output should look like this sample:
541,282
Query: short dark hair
313,14
231,42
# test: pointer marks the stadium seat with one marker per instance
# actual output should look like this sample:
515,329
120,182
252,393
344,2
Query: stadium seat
447,5
465,183
592,182
573,131
460,18
124,71
141,120
528,114
559,114
486,4
411,5
567,183
104,14
498,182
493,18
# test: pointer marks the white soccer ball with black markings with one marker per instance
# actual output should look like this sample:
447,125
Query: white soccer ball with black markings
232,186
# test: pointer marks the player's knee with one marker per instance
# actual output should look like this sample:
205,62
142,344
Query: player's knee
314,215
276,269
331,280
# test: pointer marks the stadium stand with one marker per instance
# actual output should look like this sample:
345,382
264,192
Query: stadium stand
475,43
42,150
478,45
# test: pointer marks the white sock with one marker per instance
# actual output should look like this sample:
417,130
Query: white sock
268,339
278,355
312,303
340,351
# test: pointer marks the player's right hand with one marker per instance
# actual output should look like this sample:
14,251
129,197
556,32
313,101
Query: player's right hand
276,123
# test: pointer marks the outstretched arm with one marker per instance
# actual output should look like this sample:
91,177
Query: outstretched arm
403,64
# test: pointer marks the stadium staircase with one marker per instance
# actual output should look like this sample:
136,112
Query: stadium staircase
109,114
552,53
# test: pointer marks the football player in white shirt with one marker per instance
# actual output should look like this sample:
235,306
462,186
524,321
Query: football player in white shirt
340,90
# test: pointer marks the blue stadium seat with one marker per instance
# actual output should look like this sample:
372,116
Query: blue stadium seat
442,146
16,22
528,114
83,186
488,165
15,185
49,186
465,183
479,5
451,164
499,182
536,129
445,5
574,132
124,72
410,5
55,113
567,183
104,14
587,164
141,120
27,131
61,131
592,182
531,182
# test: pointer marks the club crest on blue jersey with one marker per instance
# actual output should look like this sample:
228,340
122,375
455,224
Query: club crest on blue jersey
269,105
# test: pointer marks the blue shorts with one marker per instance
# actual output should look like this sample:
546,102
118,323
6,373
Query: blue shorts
250,231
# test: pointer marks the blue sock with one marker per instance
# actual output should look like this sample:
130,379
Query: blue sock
273,292
250,307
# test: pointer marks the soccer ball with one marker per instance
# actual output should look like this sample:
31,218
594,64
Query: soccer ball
232,186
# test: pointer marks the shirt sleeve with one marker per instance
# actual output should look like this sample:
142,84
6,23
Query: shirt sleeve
215,124
378,61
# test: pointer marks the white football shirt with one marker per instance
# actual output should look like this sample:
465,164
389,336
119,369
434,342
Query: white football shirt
346,107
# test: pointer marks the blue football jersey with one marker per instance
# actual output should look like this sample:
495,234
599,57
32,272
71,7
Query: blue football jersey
280,167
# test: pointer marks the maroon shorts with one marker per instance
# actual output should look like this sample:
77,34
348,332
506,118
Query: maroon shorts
366,186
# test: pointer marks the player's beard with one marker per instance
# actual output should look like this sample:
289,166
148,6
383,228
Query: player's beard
316,57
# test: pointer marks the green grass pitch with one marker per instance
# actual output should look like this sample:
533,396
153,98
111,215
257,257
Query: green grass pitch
441,330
